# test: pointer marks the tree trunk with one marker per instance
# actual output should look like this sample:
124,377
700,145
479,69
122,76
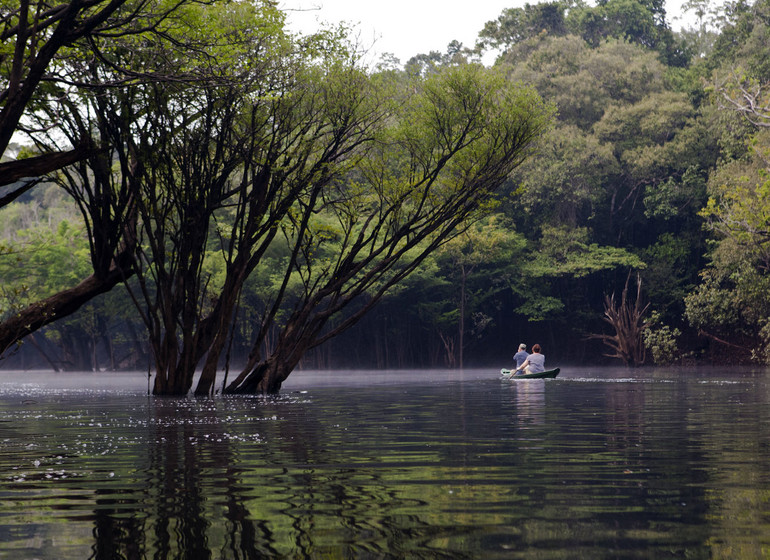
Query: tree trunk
450,359
43,353
76,348
265,379
172,381
267,376
220,321
461,329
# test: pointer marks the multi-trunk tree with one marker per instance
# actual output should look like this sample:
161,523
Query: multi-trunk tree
286,148
448,142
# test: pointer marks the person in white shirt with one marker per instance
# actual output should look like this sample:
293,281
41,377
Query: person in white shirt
535,363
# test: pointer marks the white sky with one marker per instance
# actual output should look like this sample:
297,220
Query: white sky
409,27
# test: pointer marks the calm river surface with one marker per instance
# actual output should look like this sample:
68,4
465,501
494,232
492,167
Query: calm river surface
601,463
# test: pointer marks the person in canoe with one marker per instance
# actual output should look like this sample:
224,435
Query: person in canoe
521,356
535,362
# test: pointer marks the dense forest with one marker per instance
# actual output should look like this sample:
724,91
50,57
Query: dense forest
602,190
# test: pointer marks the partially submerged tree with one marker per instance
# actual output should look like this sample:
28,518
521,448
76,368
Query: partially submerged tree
301,148
273,142
451,140
204,155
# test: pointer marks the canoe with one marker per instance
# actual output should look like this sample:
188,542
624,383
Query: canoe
547,374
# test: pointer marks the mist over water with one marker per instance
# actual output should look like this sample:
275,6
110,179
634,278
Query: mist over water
600,463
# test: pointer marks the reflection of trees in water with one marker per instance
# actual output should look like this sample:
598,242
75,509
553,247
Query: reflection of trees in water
608,462
207,495
338,504
188,462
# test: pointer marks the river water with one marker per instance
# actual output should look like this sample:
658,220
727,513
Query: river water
602,463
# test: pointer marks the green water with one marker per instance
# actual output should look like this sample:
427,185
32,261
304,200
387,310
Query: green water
594,464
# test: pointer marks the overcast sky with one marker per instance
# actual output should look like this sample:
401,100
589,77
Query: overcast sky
409,27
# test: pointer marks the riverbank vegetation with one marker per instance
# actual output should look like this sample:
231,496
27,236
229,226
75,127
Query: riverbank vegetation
259,194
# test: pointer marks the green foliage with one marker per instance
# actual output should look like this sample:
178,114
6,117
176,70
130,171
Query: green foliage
668,198
669,273
568,252
742,36
583,81
468,280
728,299
565,261
619,19
651,122
515,25
730,303
739,204
563,182
540,307
633,21
434,61
762,354
39,261
490,240
623,135
661,341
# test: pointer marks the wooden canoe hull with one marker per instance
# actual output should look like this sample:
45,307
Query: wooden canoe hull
547,374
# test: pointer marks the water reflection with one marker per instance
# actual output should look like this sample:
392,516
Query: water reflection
591,464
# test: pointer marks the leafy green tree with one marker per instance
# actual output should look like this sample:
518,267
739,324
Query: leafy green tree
618,19
485,249
625,165
700,38
739,205
661,340
224,162
639,22
434,61
564,278
670,272
742,35
730,308
515,25
623,138
41,261
645,140
563,183
643,23
582,81
730,305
